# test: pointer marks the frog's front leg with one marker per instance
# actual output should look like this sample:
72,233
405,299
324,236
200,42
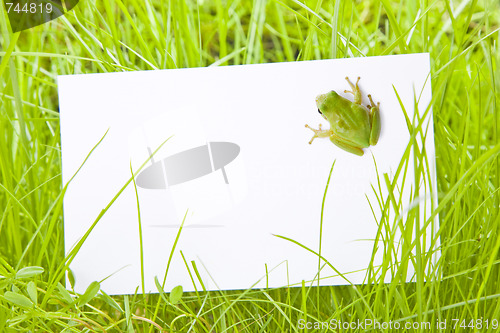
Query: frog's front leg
374,121
346,146
319,133
355,90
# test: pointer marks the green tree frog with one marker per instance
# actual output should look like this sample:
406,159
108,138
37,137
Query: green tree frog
352,125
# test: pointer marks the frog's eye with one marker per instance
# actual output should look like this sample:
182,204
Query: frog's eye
320,111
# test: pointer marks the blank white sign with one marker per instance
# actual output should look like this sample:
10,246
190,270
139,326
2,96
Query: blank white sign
273,185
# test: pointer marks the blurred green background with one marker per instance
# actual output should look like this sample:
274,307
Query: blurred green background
462,38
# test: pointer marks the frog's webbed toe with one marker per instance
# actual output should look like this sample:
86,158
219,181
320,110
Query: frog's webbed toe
319,133
373,103
355,90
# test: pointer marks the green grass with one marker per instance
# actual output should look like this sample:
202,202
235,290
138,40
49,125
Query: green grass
462,38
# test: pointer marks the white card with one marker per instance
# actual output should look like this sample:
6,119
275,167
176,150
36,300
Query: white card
238,162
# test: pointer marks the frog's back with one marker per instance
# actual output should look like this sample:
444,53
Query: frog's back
351,122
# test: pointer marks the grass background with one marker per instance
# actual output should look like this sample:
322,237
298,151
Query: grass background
112,35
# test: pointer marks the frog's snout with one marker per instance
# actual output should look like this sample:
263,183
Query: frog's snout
320,99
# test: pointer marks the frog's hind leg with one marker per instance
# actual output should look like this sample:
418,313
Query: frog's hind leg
319,133
355,90
346,146
374,121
